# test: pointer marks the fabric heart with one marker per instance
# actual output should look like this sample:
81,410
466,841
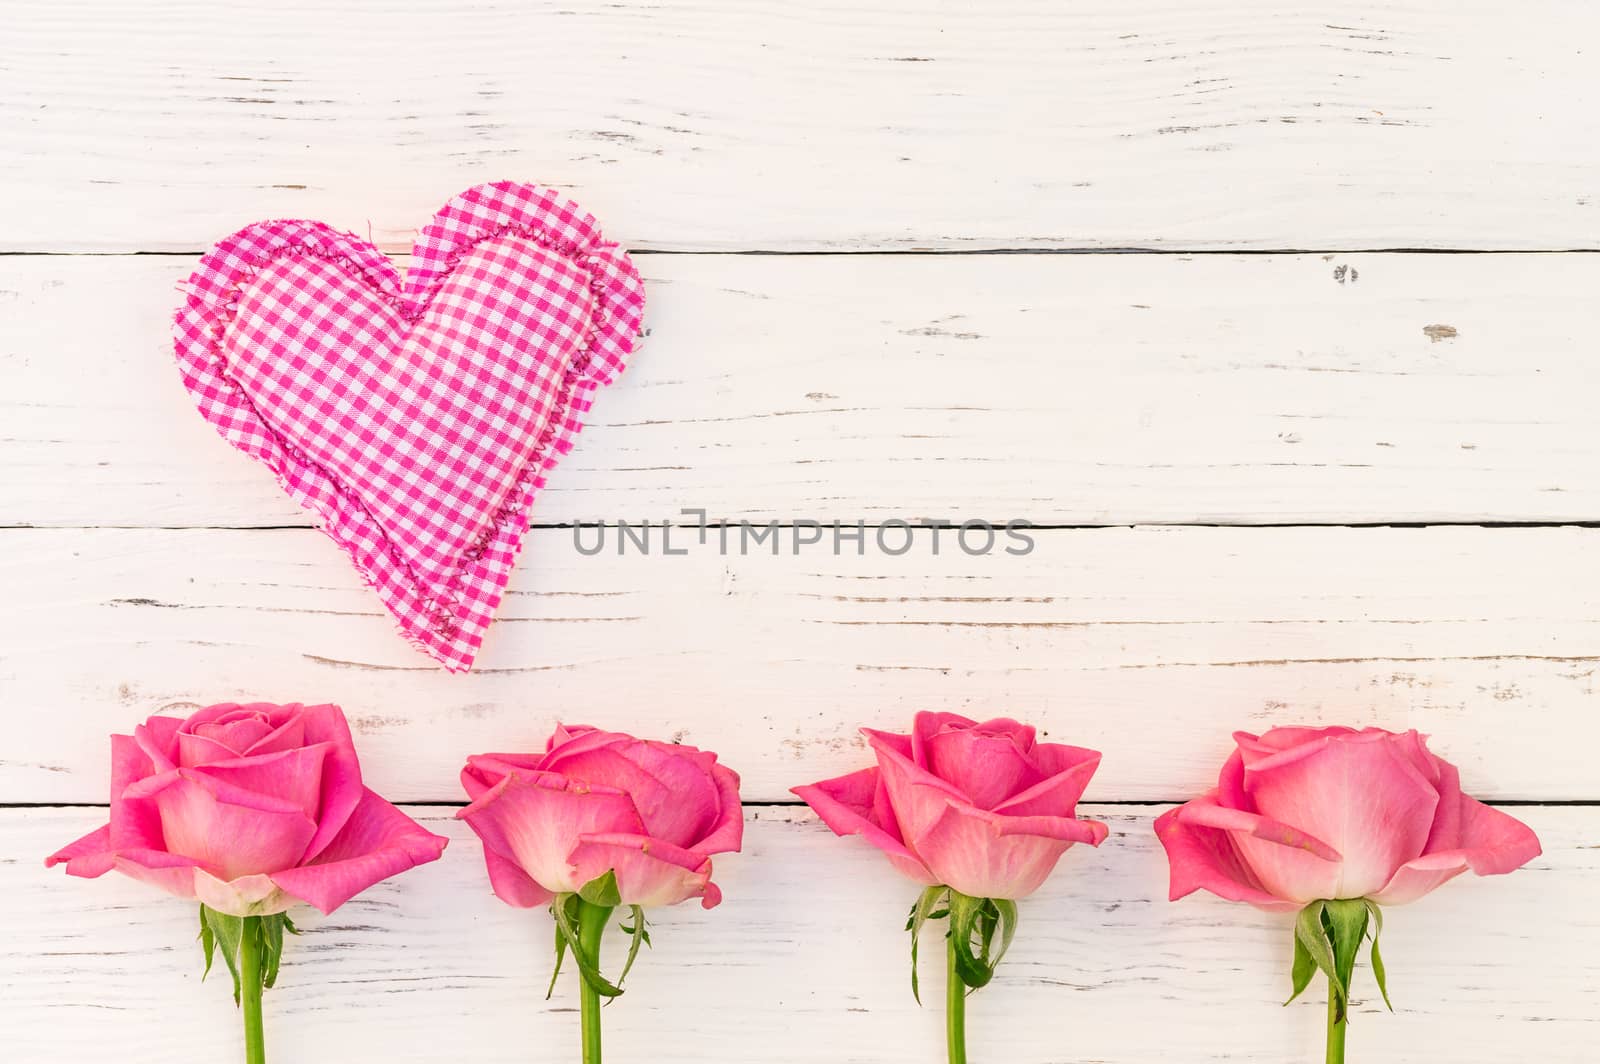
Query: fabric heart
415,416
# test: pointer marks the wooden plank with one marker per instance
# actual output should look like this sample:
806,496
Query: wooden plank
168,123
1151,645
1059,389
806,962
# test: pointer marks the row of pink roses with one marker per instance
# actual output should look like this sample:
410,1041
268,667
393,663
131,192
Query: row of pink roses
249,808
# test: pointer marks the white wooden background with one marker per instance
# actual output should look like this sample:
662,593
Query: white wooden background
1298,461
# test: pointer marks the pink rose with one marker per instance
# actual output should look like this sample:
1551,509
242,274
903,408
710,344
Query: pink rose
980,808
1308,814
652,812
249,809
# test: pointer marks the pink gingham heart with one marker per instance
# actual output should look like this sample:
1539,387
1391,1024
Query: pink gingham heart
415,416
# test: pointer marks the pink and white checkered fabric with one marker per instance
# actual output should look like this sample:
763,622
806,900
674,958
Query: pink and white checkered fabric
415,416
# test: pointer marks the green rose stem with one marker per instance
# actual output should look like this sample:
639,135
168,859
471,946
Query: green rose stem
250,977
591,927
252,946
955,1008
987,923
1346,925
580,925
1336,1029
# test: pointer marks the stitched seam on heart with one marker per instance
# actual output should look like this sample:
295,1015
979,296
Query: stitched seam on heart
443,607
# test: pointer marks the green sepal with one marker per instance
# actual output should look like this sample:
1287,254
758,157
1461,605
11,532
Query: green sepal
208,943
561,947
1346,921
1006,910
1304,968
981,919
271,949
602,891
640,934
1328,935
227,933
925,909
564,909
1377,958
963,920
1311,935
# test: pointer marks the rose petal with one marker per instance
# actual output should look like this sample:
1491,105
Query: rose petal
1414,746
701,759
220,732
1486,840
533,818
246,896
904,745
506,879
916,808
649,871
847,804
1204,858
491,767
1287,862
165,871
563,733
1207,813
1058,794
88,857
1025,735
924,726
1289,736
1052,759
476,781
1230,784
512,885
987,767
376,842
293,776
211,714
237,732
1060,828
201,749
1357,793
157,737
927,724
727,830
674,795
288,729
135,822
967,850
342,789
572,739
230,831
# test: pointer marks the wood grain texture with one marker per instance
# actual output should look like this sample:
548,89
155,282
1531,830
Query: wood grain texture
894,124
806,963
147,567
1151,645
1058,389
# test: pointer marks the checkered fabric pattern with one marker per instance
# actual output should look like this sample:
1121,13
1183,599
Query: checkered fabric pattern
415,416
